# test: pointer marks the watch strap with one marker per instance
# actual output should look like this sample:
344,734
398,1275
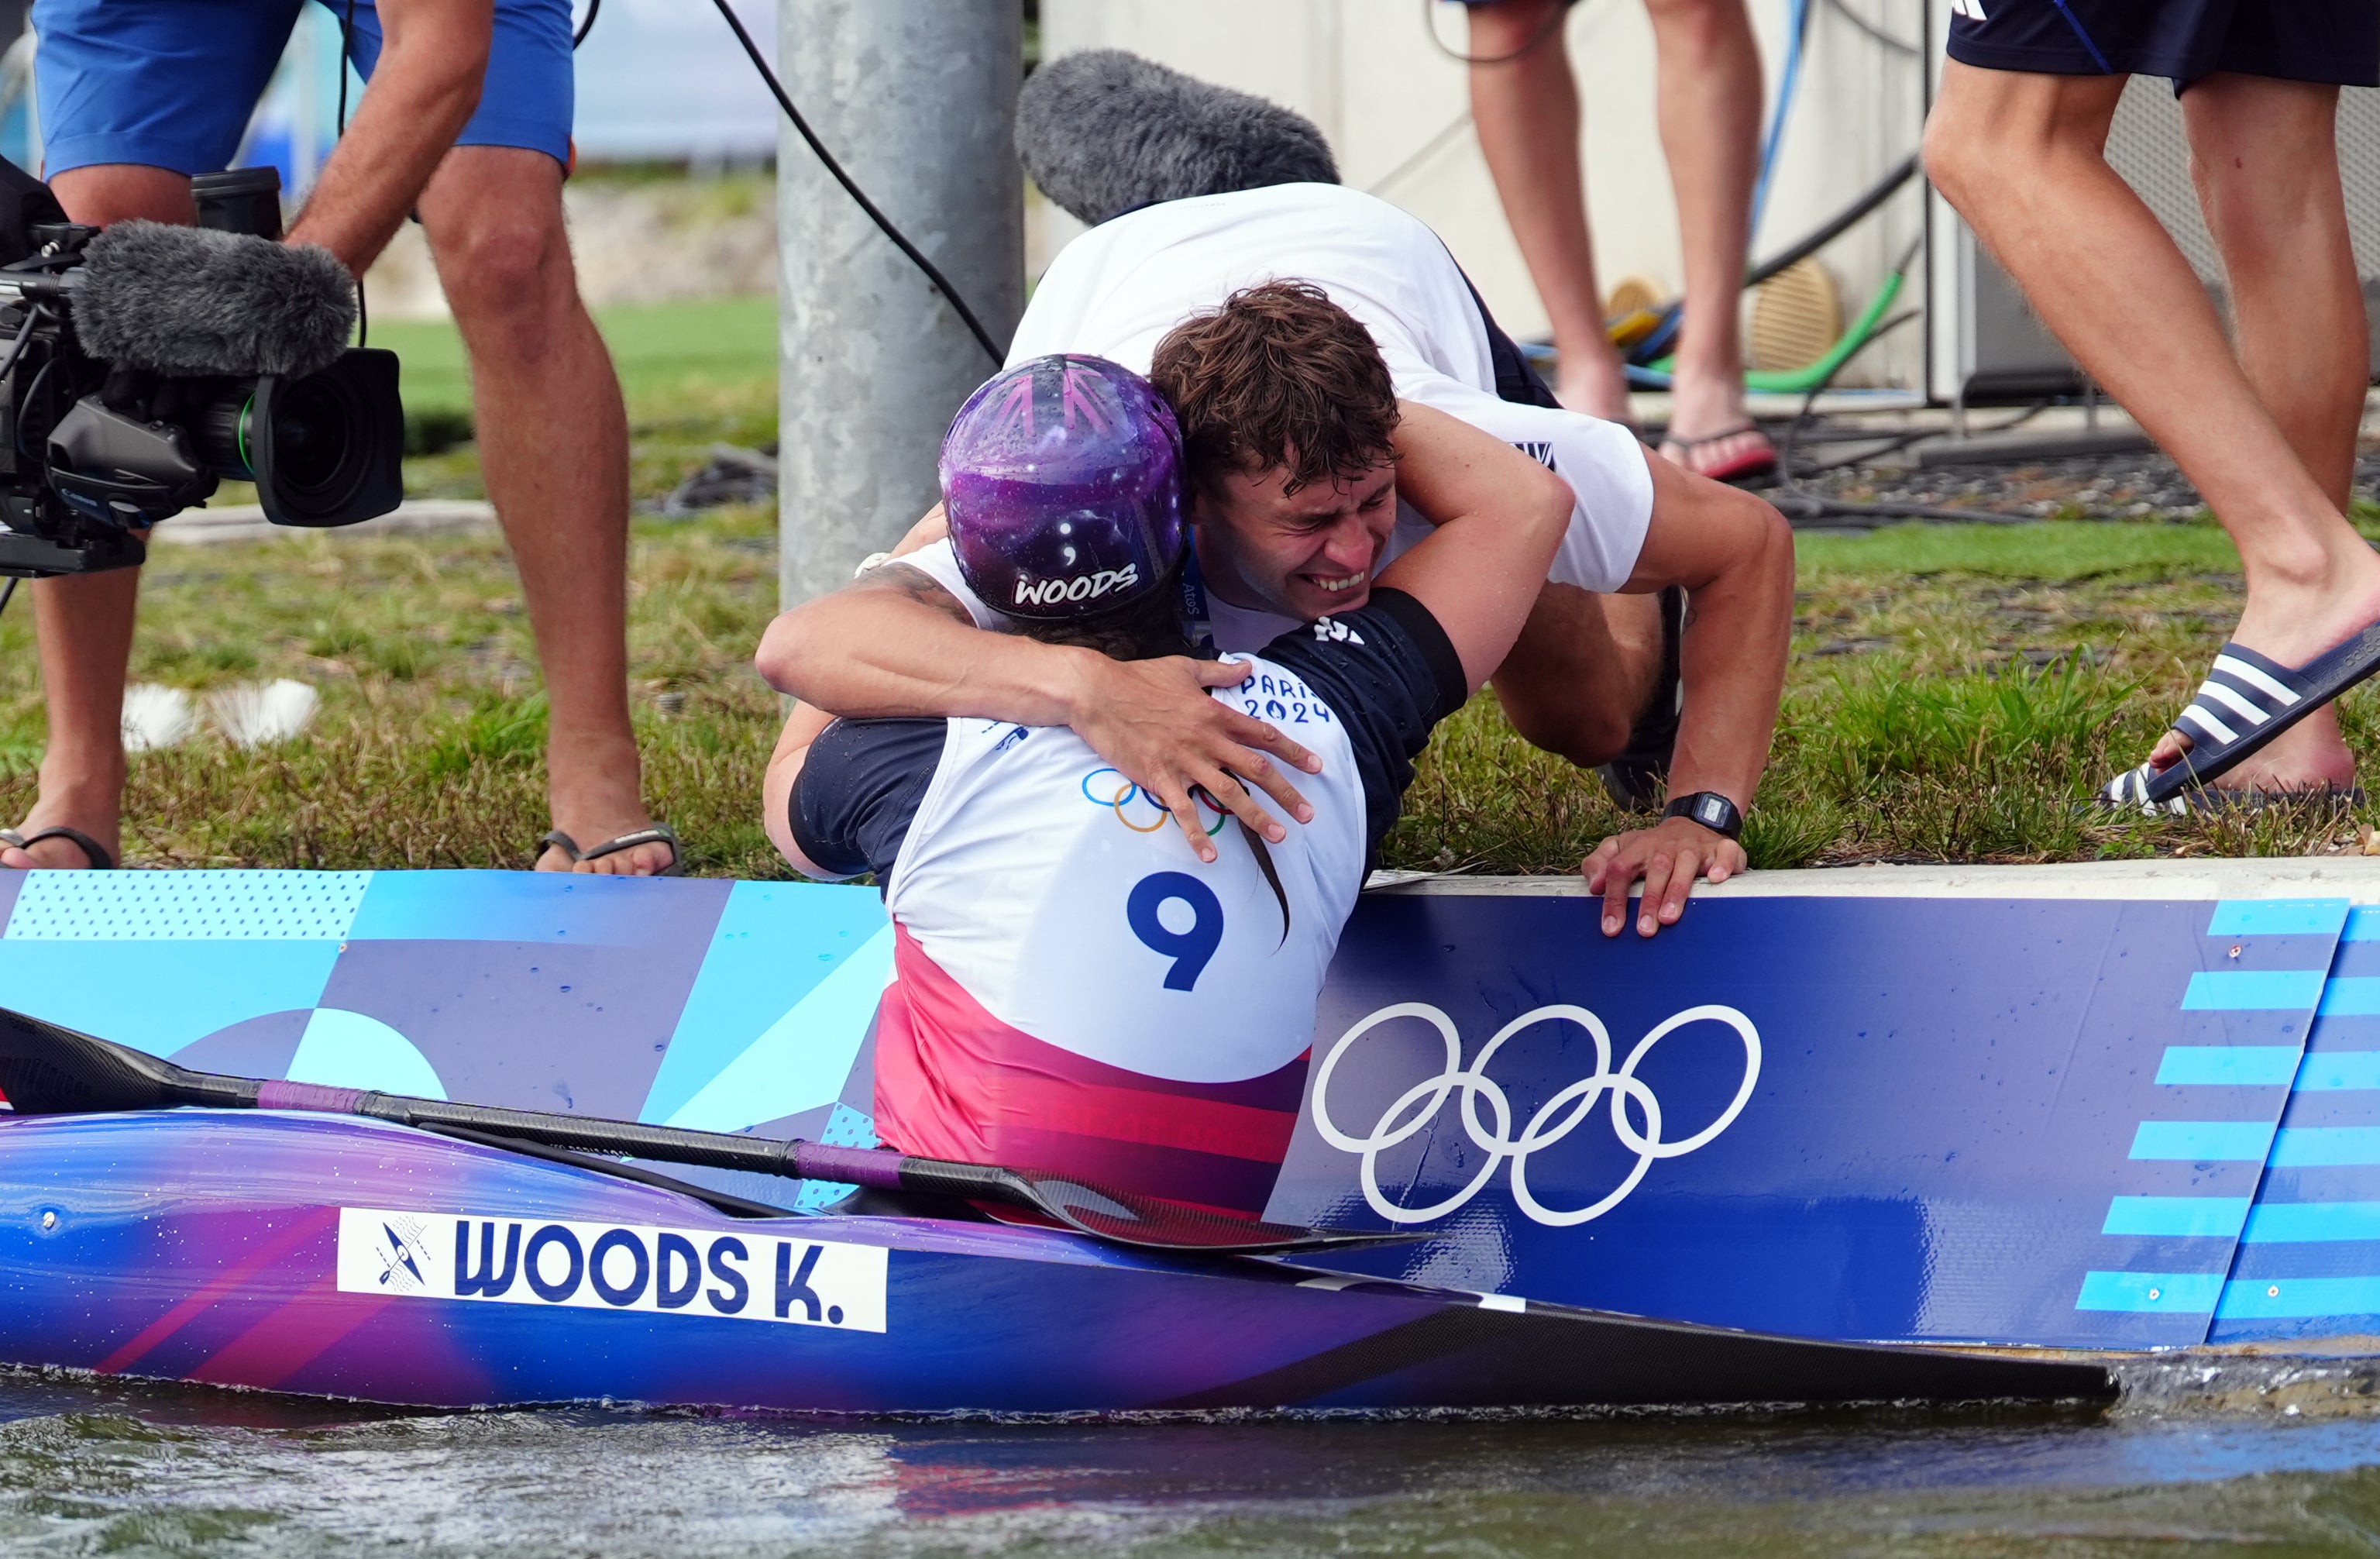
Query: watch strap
1711,810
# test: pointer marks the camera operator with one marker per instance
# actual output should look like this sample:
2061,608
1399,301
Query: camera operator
467,126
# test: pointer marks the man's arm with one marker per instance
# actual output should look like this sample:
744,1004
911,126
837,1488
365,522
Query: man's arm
433,57
893,643
1734,556
1499,516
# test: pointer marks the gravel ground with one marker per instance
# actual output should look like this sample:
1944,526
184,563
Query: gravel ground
2132,486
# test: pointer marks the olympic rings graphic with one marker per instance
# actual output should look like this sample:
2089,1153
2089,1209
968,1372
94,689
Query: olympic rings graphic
1559,1115
1127,793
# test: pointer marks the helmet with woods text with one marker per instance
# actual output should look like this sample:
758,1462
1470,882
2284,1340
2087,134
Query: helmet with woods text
1062,478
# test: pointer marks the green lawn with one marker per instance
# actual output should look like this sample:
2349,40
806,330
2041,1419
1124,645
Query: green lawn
660,350
1955,693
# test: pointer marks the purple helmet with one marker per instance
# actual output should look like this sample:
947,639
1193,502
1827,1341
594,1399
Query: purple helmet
1062,480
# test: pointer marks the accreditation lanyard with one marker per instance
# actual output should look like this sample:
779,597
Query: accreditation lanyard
1196,624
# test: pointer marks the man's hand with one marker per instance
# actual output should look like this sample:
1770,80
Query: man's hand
1154,721
1669,856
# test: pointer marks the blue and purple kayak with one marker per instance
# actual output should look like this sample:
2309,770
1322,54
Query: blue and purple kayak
1887,1133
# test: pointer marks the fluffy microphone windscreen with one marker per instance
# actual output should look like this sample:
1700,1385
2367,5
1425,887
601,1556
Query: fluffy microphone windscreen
192,300
1104,132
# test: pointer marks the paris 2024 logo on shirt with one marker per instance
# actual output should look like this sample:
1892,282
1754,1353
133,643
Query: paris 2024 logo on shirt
1484,1112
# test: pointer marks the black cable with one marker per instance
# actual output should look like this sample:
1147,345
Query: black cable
883,223
1843,9
1551,24
1793,429
6,592
1886,445
585,26
1836,226
1649,349
346,53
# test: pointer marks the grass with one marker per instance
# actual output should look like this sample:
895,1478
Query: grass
1955,690
660,350
1955,693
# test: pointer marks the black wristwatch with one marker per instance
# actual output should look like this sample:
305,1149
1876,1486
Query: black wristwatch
1711,810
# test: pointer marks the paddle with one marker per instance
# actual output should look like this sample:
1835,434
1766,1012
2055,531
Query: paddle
47,1070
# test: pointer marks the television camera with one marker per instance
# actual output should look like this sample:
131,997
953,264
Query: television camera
142,364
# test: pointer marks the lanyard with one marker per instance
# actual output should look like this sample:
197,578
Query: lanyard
1197,625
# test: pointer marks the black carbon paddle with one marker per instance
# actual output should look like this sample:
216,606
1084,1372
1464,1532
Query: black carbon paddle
47,1070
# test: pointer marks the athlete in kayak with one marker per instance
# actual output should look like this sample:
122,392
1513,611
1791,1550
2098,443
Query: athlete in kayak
1602,678
1077,988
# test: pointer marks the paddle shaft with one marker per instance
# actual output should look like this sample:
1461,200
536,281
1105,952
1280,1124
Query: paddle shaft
45,1069
717,1149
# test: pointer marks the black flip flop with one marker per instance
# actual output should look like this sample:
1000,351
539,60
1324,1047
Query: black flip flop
659,834
2245,701
92,849
1638,777
2199,800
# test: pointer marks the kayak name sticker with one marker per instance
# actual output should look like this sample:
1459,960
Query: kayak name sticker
746,1275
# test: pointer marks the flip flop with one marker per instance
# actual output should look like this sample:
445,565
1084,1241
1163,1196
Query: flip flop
1757,463
2245,701
2202,799
659,834
93,851
1638,777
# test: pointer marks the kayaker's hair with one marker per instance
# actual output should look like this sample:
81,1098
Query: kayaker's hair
1149,628
1278,376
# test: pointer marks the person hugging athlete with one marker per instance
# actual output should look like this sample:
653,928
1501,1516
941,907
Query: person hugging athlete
1283,535
1077,987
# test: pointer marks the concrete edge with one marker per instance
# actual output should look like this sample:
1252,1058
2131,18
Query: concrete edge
246,522
2354,878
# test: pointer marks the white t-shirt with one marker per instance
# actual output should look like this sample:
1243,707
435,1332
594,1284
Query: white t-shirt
1118,290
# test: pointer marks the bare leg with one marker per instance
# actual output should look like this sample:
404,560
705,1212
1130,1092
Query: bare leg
83,624
2265,156
1582,672
1710,132
1526,112
2021,156
553,441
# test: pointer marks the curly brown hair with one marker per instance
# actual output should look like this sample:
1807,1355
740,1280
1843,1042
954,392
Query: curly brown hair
1278,376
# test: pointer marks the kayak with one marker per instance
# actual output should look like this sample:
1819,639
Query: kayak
1887,1133
345,1259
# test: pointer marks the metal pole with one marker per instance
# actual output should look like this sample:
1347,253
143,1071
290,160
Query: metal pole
917,100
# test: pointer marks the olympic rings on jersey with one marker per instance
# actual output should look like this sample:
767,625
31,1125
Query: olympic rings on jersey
1418,1107
1127,793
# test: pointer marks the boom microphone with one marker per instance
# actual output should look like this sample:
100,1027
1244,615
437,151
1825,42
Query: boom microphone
193,300
1104,132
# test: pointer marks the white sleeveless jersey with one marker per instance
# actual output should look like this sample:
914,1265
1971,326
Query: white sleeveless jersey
1066,904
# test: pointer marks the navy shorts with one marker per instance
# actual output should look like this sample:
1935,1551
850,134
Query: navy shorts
2333,42
171,83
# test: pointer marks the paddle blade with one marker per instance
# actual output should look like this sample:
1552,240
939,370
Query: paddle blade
47,1070
1125,1217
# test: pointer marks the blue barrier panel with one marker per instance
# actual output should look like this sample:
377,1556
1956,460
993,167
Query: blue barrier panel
1954,1119
1882,1118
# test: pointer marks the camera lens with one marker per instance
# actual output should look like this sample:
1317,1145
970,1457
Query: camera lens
326,448
313,427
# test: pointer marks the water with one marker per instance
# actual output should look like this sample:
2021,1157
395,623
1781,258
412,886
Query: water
2270,1457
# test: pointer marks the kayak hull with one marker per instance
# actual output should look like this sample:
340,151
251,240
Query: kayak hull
247,1250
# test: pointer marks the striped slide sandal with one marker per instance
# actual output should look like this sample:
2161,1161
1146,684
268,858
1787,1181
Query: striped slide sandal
2245,702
